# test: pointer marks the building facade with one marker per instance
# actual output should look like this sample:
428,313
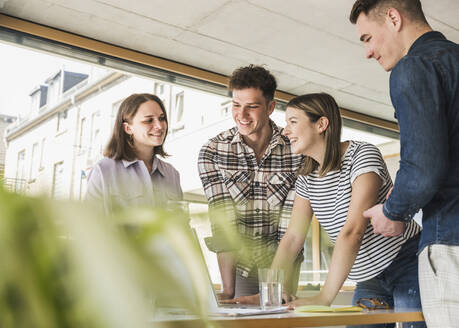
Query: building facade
71,120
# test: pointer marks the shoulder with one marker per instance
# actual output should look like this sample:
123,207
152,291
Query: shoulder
168,168
106,165
225,136
362,147
221,141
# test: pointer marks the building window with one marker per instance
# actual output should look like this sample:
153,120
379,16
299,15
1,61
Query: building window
62,120
20,172
115,108
177,115
162,91
82,143
58,190
43,144
34,165
225,108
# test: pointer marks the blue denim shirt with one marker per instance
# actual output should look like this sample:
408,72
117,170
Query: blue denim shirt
424,89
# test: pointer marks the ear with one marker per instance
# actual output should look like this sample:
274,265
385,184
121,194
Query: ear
271,106
394,19
127,128
323,123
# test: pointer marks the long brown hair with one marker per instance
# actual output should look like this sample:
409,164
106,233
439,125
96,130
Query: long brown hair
121,145
315,106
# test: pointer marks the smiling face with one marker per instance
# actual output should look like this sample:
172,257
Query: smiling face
305,136
251,112
148,126
381,38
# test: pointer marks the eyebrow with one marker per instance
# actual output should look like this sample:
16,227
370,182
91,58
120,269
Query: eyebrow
251,103
148,116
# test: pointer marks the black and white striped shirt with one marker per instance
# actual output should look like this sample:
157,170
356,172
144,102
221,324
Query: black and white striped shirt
330,197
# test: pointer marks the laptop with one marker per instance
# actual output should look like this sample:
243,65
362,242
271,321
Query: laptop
217,309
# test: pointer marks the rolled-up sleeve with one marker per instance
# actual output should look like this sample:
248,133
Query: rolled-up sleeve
221,207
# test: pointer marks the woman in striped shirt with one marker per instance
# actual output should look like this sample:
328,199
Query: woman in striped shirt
337,183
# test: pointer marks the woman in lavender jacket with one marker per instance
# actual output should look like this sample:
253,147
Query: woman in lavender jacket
131,173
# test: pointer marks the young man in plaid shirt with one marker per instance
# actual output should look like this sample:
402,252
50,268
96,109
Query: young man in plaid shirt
248,174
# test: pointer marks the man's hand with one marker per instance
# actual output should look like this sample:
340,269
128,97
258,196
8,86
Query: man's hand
381,224
224,296
314,300
251,299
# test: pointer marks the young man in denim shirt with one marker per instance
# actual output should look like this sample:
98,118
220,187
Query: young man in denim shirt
424,89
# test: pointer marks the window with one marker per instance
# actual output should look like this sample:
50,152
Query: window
82,143
20,172
42,153
34,165
58,187
114,114
62,121
211,106
225,108
177,115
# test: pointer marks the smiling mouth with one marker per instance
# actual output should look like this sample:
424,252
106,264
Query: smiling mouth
244,123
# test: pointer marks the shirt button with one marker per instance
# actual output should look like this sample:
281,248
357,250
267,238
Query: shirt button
257,210
257,184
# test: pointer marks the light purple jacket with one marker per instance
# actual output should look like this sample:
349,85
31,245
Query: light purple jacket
129,184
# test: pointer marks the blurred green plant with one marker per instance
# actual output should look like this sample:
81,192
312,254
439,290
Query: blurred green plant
66,264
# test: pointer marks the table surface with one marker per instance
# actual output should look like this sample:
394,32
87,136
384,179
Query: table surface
291,319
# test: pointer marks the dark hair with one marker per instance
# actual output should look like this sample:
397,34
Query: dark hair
410,8
120,145
315,106
254,77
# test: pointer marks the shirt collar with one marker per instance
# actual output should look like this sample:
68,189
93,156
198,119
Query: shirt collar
129,163
431,35
157,165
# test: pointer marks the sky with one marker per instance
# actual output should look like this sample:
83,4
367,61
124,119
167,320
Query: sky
21,70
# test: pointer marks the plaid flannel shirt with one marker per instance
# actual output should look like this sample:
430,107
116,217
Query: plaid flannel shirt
256,199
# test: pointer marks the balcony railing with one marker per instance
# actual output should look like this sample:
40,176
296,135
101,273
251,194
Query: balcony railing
14,185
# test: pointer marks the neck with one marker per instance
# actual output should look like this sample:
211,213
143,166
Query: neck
260,141
318,152
145,155
412,34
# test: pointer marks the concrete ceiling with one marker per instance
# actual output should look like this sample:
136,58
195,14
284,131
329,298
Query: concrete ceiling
309,45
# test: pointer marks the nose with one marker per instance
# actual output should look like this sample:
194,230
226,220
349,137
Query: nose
368,52
157,125
244,111
286,131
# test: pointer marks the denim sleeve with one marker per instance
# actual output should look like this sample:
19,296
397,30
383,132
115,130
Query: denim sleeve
417,94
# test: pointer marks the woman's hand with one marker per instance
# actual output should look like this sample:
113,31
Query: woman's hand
251,299
314,300
287,298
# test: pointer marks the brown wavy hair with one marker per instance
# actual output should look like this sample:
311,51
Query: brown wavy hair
253,76
120,145
315,106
